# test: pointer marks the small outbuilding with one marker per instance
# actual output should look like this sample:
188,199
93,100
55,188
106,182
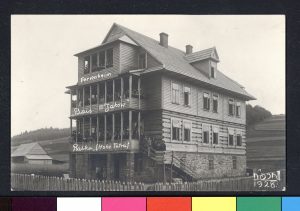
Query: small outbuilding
31,153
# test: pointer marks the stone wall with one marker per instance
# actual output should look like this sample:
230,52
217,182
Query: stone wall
223,164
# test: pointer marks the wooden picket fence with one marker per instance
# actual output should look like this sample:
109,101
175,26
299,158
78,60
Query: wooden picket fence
226,184
24,182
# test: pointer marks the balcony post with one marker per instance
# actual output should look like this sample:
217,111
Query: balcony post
139,125
83,91
97,129
98,96
90,65
139,91
105,92
121,126
77,97
130,126
122,89
71,102
113,90
83,124
105,128
77,130
71,126
90,126
113,127
130,89
90,97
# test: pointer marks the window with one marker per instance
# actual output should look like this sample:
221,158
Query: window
175,93
102,59
109,58
206,101
86,65
238,109
206,136
94,62
215,103
230,107
176,126
239,140
187,131
233,162
187,96
142,61
230,140
210,164
212,72
215,137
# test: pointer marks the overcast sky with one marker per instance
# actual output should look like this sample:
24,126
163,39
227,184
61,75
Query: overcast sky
251,51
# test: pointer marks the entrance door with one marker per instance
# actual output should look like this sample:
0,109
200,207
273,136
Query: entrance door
99,167
117,160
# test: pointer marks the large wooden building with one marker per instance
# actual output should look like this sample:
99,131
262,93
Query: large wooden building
145,111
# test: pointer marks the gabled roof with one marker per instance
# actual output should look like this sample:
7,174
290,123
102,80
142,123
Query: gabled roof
29,149
210,53
175,60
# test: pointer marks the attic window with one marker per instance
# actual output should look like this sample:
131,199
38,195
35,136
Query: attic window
212,72
142,61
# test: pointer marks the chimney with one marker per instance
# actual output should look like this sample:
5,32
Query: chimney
163,39
188,49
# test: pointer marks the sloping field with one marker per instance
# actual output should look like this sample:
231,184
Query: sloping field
266,144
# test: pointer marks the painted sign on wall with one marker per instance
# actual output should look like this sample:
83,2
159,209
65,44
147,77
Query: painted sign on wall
99,76
101,147
113,106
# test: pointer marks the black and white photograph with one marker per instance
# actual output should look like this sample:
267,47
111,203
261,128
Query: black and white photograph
148,103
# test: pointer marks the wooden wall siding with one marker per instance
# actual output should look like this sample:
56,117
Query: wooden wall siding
151,85
115,70
203,66
152,62
196,107
196,144
153,124
115,33
128,57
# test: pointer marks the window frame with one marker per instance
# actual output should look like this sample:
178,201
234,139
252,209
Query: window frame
215,98
238,108
208,101
179,129
231,103
234,162
183,130
206,128
212,72
241,140
189,95
176,91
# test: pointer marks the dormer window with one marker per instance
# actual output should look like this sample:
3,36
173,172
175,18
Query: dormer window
142,61
212,72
